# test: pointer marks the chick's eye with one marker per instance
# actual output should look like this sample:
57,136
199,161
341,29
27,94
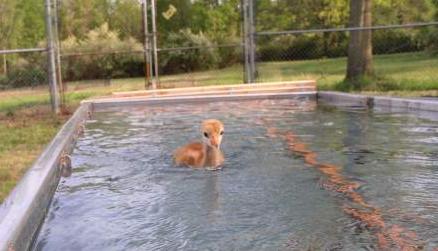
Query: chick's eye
222,132
205,134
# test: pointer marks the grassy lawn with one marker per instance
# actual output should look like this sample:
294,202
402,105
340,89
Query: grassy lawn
26,124
22,138
405,72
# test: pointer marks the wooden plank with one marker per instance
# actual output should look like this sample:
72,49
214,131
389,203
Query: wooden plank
212,88
221,87
290,89
103,104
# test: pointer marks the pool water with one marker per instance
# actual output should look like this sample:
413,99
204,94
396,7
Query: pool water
297,176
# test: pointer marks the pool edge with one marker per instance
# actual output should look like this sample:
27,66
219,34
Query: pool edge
377,102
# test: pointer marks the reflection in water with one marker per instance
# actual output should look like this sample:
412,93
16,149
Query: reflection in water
211,195
372,185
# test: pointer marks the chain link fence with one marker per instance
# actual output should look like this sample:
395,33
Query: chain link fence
309,40
97,58
23,59
113,53
200,65
25,69
192,52
403,58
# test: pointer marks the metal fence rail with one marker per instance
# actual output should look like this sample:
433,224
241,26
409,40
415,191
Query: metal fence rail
198,47
13,51
377,27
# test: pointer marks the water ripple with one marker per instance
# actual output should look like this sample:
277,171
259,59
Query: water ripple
125,194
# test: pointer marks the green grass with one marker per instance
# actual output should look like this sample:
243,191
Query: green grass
22,138
403,72
26,124
10,104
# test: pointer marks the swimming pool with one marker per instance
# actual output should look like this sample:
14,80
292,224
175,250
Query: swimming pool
297,176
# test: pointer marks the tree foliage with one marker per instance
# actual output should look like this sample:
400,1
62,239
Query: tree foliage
22,21
101,54
194,59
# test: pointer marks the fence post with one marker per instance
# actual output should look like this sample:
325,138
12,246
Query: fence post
154,44
252,45
246,76
58,55
146,45
54,95
248,40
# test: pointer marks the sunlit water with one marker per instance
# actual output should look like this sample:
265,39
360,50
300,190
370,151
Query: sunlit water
125,194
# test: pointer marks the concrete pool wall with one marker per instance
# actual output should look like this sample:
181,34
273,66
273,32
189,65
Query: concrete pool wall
423,108
24,210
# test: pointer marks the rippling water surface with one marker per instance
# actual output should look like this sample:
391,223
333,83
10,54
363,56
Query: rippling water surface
296,177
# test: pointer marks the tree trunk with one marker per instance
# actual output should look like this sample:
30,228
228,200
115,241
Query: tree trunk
354,63
367,45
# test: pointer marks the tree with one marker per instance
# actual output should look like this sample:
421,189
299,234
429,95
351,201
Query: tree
10,23
354,44
33,23
359,65
402,11
80,16
326,14
367,45
127,25
21,23
10,26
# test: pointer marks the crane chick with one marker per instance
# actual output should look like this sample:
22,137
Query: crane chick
204,154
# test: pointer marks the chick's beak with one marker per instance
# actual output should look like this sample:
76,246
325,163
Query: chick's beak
214,143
